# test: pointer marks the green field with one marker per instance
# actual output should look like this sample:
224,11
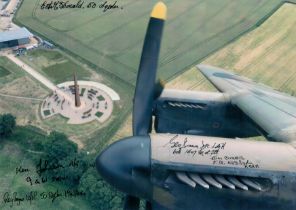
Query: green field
8,71
266,55
55,65
78,133
3,72
112,41
63,71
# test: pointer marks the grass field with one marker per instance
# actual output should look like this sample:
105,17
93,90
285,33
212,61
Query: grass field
55,65
18,84
8,71
25,110
113,40
78,133
266,55
3,72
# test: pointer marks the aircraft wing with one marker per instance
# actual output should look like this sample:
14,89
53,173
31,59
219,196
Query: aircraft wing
272,111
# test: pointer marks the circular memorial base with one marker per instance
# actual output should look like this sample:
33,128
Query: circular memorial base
96,102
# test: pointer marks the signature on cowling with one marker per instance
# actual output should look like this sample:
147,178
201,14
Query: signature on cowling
181,145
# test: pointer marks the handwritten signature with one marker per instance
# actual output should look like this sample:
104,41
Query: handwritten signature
15,198
54,166
60,5
181,145
38,176
234,161
45,165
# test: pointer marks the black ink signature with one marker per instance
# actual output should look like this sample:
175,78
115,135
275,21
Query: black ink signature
250,164
234,161
20,169
51,195
56,176
59,5
14,198
51,178
44,166
35,181
201,148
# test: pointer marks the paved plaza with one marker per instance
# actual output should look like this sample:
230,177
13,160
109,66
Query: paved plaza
96,102
96,98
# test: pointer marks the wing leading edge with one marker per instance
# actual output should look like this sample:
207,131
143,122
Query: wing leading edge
274,112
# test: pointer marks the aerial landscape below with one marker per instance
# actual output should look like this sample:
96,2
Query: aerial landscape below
74,79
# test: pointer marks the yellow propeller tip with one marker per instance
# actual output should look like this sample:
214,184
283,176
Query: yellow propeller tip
159,11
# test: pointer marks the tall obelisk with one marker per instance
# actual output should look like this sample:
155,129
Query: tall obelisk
76,89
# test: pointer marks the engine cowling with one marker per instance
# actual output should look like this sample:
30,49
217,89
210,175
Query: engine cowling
201,113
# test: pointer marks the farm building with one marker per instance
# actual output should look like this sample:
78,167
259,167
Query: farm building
15,38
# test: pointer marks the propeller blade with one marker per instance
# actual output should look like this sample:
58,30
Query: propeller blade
145,87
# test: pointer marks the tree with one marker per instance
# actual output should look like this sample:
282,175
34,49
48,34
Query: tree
99,193
59,146
77,165
7,124
58,150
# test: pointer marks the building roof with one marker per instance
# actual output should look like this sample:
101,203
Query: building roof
19,33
